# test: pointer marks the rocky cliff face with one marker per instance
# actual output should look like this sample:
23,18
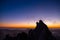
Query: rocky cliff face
41,32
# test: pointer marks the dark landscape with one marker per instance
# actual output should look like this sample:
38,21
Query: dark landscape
14,32
30,20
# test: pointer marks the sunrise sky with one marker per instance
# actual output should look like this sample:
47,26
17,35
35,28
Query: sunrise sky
25,13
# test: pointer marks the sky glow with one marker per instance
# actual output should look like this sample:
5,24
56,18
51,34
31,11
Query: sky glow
28,12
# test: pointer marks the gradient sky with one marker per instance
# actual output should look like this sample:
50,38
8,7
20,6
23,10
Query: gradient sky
27,12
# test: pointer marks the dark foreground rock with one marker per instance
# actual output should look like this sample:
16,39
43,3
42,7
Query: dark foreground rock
41,32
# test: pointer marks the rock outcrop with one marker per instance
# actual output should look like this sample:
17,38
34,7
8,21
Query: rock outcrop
41,32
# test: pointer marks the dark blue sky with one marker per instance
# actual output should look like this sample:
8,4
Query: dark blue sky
28,11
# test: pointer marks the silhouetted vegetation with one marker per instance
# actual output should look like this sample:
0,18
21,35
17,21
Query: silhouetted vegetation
41,32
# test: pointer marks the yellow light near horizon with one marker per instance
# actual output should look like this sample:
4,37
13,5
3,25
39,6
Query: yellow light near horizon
17,25
24,25
52,24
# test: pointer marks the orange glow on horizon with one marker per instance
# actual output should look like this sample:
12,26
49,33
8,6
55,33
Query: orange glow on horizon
17,25
5,25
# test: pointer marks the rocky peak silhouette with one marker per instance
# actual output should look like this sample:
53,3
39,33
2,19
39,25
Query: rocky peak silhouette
41,25
41,32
